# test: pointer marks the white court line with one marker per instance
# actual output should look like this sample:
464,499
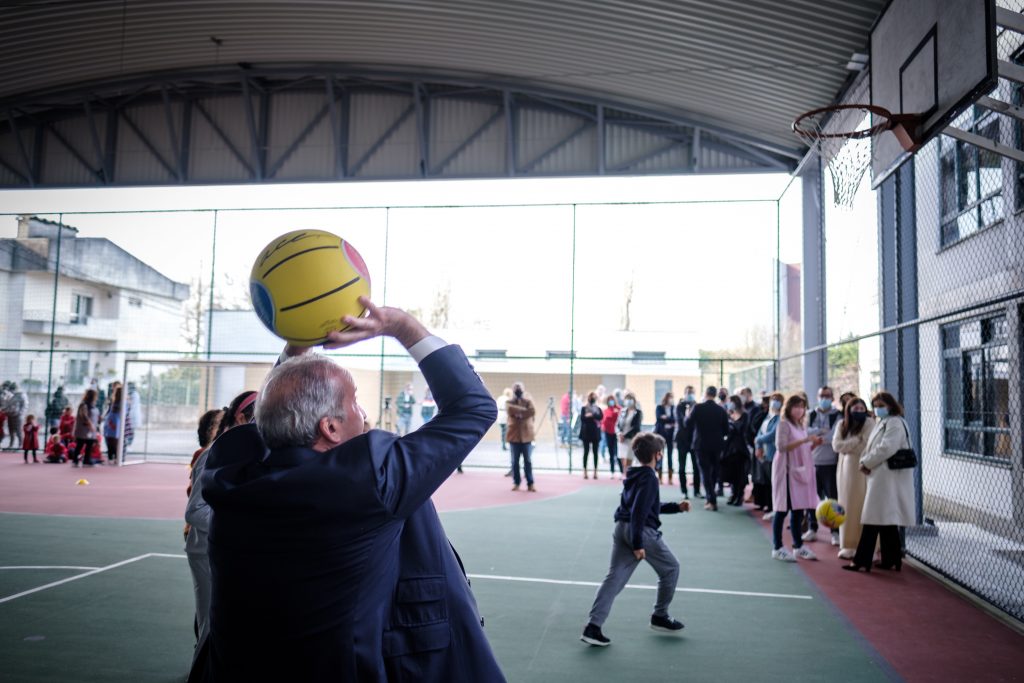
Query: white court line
563,582
79,576
49,567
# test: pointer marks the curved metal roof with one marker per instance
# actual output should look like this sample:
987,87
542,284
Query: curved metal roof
744,66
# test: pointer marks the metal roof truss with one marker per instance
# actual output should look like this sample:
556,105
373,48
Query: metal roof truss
314,124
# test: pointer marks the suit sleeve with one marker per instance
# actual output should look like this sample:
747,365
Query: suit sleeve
409,469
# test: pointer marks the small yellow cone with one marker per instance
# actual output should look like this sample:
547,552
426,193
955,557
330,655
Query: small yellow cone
82,482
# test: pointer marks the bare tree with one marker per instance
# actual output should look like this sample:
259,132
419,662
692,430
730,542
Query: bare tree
628,303
441,313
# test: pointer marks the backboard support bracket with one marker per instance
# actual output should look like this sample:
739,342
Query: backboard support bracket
984,143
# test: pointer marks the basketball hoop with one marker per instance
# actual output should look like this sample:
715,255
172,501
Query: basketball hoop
841,134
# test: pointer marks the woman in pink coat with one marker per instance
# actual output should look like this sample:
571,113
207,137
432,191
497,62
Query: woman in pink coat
793,485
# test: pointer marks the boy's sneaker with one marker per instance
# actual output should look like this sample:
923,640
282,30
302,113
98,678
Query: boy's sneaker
767,516
835,538
810,535
805,553
783,555
665,624
592,636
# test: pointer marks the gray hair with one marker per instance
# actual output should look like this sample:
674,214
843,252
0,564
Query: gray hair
295,397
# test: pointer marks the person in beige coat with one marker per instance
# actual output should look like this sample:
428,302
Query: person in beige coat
889,498
849,440
520,434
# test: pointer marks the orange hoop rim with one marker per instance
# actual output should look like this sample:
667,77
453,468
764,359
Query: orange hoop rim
887,122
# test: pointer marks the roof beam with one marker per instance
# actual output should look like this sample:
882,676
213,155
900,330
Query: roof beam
219,132
473,137
375,147
557,146
22,151
148,144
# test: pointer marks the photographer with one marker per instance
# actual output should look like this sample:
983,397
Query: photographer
520,434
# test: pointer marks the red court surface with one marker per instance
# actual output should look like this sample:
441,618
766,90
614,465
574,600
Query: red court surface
157,491
965,642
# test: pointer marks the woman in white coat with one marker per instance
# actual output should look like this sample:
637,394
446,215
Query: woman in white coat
849,441
889,501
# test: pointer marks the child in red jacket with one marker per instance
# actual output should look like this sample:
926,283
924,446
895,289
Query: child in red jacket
67,426
55,451
30,438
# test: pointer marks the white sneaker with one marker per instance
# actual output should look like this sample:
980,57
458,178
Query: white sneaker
835,539
805,553
783,555
767,516
810,535
847,554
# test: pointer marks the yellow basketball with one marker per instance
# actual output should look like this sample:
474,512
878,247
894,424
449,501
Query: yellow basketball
831,514
304,282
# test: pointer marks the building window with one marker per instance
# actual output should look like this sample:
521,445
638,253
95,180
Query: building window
970,179
81,309
975,375
78,368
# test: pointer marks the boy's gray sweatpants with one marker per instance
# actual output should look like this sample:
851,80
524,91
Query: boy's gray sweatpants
622,565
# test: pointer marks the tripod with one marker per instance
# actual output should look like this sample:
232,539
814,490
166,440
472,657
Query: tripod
549,412
386,421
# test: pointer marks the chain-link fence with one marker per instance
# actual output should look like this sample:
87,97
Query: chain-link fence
567,299
923,295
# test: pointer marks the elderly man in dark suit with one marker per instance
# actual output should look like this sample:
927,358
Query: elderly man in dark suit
710,424
329,561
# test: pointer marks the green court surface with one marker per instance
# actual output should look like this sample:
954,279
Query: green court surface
533,566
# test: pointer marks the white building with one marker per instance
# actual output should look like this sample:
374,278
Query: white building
107,303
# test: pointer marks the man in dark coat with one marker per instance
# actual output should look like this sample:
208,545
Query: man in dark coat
710,425
329,561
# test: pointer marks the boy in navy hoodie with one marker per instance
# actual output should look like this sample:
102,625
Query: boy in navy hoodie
636,537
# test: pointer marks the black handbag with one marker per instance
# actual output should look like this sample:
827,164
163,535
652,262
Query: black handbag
905,458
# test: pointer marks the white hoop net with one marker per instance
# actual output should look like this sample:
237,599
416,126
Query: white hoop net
847,158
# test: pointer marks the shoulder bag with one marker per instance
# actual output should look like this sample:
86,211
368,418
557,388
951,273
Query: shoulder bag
905,458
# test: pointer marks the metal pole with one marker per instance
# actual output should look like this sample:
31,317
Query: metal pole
572,335
209,312
124,415
383,302
777,288
721,373
53,310
149,407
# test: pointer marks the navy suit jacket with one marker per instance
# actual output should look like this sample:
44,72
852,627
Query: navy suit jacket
334,566
710,425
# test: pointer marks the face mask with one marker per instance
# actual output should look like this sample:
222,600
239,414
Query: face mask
629,403
775,405
825,403
592,401
882,412
858,418
518,393
690,398
611,402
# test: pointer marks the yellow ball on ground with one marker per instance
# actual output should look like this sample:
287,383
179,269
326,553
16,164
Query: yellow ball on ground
304,282
831,514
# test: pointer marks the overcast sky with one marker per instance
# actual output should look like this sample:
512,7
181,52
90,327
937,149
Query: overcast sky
704,265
